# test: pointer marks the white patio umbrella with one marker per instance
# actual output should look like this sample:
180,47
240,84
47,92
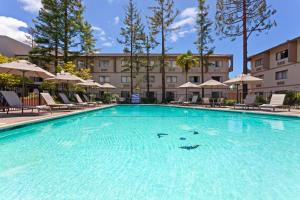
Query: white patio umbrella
24,68
90,84
213,84
65,77
243,79
107,86
187,86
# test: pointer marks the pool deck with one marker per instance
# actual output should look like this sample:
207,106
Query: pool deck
15,118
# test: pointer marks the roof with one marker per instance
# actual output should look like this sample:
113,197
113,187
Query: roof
283,43
11,47
152,54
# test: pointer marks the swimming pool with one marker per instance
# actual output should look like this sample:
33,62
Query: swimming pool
153,152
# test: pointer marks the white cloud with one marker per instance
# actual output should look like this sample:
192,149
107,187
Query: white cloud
102,36
185,25
32,6
117,20
110,1
11,27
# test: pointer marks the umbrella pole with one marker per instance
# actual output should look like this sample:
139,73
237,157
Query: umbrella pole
237,93
186,94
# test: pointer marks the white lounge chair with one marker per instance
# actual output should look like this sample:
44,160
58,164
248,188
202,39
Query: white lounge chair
79,101
51,103
66,100
248,102
206,102
87,100
194,100
14,102
179,101
277,101
220,102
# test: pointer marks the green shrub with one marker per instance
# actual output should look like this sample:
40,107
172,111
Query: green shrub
106,97
145,100
260,100
229,102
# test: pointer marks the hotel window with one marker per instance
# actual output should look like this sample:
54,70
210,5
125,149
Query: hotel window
216,63
171,79
282,55
104,79
80,64
217,78
194,79
151,79
104,63
125,79
281,75
259,62
171,64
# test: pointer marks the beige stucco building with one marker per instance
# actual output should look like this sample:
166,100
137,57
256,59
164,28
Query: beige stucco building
110,68
278,66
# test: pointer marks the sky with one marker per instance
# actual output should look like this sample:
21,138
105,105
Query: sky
106,17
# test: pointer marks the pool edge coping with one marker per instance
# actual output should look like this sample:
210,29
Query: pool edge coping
7,127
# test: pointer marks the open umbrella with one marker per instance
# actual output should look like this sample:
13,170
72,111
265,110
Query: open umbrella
213,84
24,68
65,77
107,86
243,79
90,84
187,86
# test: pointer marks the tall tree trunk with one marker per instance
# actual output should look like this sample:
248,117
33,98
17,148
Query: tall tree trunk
202,72
66,31
245,46
131,55
148,76
163,51
56,56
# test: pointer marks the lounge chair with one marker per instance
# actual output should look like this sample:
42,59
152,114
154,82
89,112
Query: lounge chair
87,100
14,102
248,102
66,100
277,101
80,102
179,101
220,102
206,101
194,101
51,103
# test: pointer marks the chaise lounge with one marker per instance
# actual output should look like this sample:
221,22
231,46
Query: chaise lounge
277,101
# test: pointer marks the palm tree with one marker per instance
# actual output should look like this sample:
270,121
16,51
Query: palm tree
186,61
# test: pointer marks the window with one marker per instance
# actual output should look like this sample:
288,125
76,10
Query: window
104,63
125,94
216,63
80,64
151,79
282,55
125,79
259,62
104,79
260,76
194,79
171,63
171,79
281,75
217,78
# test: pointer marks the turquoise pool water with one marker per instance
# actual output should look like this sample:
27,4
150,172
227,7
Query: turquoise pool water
133,153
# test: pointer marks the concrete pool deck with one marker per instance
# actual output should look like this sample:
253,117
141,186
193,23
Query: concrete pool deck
15,118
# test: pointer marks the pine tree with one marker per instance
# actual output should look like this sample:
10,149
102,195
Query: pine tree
204,38
88,41
47,33
160,23
132,37
236,18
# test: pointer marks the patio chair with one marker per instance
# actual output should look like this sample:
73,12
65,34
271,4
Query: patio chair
79,101
51,103
194,100
179,101
220,102
14,102
277,101
206,102
66,100
87,100
248,102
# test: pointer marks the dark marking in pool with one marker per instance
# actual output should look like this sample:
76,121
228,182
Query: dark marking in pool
189,147
159,135
182,138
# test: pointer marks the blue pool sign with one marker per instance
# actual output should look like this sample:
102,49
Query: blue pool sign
135,98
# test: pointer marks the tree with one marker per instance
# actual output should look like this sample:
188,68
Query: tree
71,68
149,44
161,23
236,18
204,38
72,19
133,34
186,61
47,33
88,41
